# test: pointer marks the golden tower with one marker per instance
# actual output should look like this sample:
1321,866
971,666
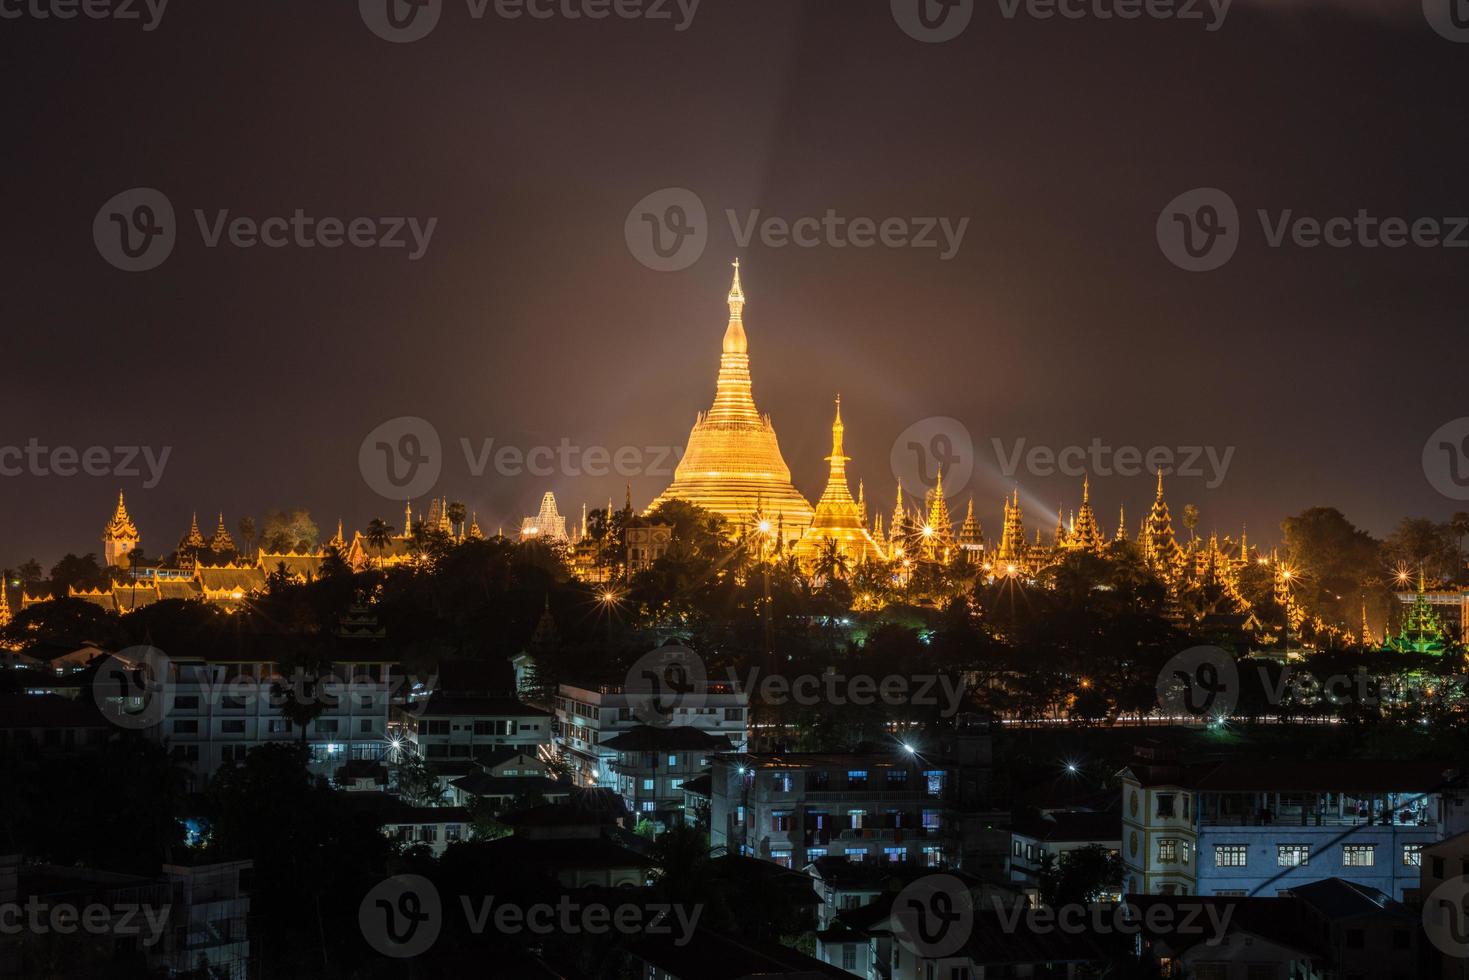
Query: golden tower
732,465
938,529
838,518
120,536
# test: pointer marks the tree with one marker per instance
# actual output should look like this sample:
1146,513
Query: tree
378,534
246,528
1332,561
417,784
456,513
79,572
292,530
1080,877
1417,541
301,689
30,572
1190,520
831,563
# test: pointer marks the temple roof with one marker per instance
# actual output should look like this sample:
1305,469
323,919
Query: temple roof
121,527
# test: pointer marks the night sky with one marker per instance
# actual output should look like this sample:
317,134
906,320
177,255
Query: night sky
529,320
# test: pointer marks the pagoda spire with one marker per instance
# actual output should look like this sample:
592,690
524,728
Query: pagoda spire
837,517
1121,522
407,518
862,502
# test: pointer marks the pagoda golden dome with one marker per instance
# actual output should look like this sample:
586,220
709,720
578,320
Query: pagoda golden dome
732,464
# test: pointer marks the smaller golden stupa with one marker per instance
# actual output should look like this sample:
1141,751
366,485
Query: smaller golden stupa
838,518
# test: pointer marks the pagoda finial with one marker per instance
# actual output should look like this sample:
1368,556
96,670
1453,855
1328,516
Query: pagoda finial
734,334
1086,488
938,486
836,434
1160,483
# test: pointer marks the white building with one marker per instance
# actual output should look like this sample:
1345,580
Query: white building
210,710
1241,828
464,728
547,525
587,716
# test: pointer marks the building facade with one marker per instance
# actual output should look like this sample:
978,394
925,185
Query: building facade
1245,828
587,716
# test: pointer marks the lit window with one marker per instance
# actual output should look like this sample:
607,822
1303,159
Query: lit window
1413,855
1359,855
1231,855
1167,849
1292,855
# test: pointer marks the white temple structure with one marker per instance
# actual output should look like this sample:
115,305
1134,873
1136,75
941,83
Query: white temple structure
548,524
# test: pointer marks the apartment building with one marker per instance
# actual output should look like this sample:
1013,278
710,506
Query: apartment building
934,806
652,765
210,709
588,715
446,727
1262,827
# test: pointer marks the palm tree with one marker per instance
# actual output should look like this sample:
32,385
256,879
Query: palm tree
1459,527
378,534
1190,520
457,512
247,531
831,563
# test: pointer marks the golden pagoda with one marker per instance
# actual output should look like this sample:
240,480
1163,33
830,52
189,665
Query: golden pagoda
938,529
732,465
838,518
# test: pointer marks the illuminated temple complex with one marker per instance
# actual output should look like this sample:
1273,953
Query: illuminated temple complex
732,464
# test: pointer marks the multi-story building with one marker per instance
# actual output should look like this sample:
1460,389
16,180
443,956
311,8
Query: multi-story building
653,764
209,710
1445,911
587,716
447,727
928,805
792,808
1252,827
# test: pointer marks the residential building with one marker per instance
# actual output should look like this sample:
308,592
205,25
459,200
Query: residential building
447,727
213,708
505,776
1257,827
934,808
589,715
653,764
1035,838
